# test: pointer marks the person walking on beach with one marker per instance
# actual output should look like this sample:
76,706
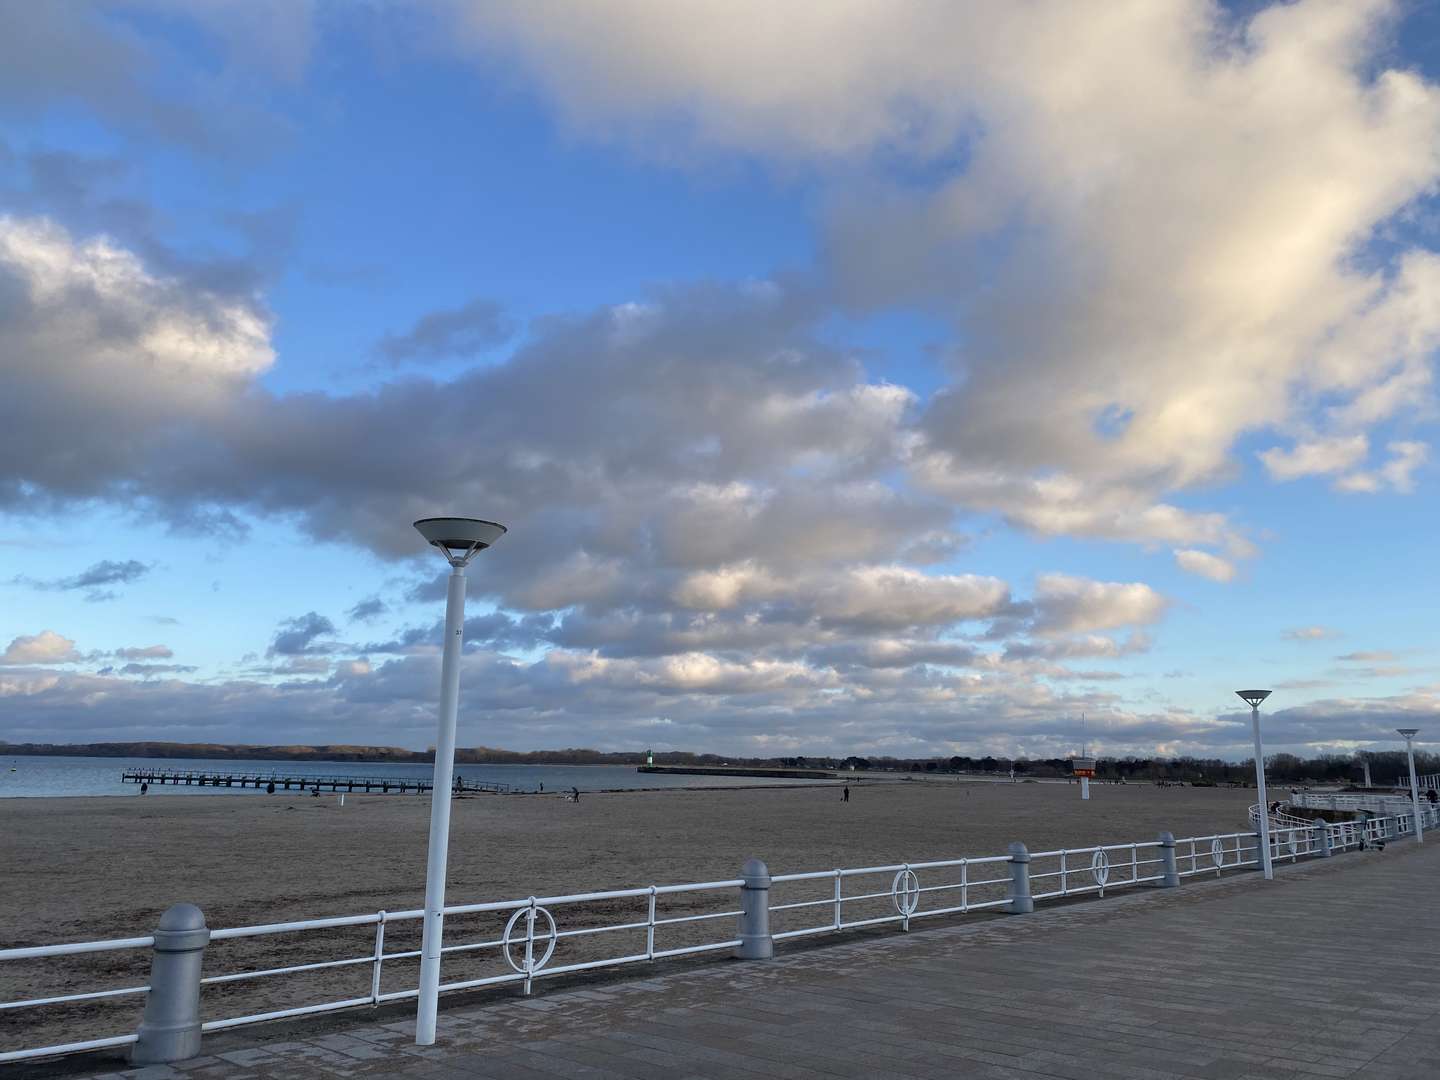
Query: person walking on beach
146,787
845,795
575,794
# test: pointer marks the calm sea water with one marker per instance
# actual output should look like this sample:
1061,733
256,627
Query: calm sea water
40,776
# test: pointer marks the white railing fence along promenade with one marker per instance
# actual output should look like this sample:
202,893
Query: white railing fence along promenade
1378,804
521,940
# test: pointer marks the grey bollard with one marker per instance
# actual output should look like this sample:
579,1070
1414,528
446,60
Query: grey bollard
1021,902
1170,873
754,929
170,1030
1322,839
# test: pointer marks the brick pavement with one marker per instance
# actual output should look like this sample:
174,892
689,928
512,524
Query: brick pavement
1327,972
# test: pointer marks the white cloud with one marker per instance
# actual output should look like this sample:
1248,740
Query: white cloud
1316,458
1069,605
1310,633
1205,564
1181,192
46,647
1397,474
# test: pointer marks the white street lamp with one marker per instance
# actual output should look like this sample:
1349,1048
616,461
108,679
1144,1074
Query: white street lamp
1253,698
1408,734
459,540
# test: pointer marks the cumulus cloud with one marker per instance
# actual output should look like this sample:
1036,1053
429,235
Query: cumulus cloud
1205,564
1396,474
1318,458
46,647
1164,200
718,515
1065,604
117,370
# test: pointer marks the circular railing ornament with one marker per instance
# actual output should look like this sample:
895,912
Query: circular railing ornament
1217,853
1100,868
531,965
905,892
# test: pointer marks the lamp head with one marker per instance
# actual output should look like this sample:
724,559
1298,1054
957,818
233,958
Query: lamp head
1253,698
1407,732
459,539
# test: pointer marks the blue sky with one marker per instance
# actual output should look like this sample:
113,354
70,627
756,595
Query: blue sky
908,382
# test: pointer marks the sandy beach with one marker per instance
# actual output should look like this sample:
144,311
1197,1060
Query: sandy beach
88,868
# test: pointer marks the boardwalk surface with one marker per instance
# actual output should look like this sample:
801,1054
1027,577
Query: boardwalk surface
1331,971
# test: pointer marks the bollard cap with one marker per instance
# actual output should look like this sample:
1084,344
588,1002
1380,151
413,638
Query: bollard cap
182,917
1019,852
756,874
1167,839
181,929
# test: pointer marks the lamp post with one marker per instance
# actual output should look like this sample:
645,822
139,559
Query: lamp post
1408,734
459,540
1253,698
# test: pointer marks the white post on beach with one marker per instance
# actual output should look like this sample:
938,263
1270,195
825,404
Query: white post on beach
1253,698
1084,787
459,540
1408,734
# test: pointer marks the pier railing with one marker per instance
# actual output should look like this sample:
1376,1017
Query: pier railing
301,782
522,940
1377,804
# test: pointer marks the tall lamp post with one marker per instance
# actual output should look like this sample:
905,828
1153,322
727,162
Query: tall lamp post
459,540
1408,734
1253,698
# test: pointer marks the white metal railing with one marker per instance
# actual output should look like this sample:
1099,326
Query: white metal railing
904,892
1380,804
895,893
1094,869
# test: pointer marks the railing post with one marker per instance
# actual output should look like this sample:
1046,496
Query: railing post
170,1029
754,929
1020,900
1170,878
1322,838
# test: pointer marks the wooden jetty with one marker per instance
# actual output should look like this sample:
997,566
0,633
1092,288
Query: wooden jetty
276,781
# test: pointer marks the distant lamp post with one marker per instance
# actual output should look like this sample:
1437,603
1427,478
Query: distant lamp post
1408,734
459,540
1253,698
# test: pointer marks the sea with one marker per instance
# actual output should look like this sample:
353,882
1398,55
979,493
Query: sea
26,776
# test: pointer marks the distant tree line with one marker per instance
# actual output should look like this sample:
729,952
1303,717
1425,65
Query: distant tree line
1386,767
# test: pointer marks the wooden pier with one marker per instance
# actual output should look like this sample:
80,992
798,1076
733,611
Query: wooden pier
275,781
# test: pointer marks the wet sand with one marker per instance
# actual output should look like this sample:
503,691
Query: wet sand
87,868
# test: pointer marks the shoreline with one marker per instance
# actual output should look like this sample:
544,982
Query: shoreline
252,793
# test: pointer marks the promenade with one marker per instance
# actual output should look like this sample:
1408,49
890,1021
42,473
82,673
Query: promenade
1330,971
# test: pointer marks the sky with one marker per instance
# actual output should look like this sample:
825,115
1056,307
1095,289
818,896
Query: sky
864,378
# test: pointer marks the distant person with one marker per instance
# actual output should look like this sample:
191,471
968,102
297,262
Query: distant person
845,795
270,788
542,787
146,787
1432,796
575,794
